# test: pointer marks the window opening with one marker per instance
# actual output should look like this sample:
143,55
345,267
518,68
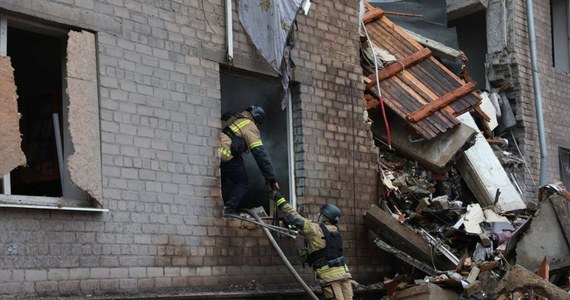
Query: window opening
560,34
239,89
46,95
472,39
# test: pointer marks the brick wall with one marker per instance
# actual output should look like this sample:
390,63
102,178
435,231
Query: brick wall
555,97
160,106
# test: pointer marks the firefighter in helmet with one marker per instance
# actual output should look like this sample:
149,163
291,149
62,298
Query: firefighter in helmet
239,136
324,246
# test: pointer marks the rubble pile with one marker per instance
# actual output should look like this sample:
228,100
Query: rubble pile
451,210
454,244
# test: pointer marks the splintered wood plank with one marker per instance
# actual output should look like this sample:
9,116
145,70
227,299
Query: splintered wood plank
390,31
399,66
428,96
418,101
408,103
373,15
432,107
401,111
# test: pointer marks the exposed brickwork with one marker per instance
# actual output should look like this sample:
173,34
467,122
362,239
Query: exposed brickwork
555,99
514,63
158,64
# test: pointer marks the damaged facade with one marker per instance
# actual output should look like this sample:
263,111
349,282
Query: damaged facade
139,89
133,204
456,210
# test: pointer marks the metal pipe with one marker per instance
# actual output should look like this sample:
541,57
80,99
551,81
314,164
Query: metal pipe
229,31
291,151
537,94
58,147
284,258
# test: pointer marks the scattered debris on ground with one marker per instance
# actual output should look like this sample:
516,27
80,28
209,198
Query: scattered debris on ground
452,211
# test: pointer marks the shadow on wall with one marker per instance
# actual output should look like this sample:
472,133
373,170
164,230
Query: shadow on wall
240,89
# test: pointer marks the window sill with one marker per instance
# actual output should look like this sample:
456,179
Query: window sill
35,202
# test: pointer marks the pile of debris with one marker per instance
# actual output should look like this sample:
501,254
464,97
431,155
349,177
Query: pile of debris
451,245
452,209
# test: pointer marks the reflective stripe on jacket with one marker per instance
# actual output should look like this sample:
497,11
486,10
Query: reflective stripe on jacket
314,237
245,127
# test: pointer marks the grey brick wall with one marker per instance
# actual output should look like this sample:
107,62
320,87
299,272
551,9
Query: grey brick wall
555,97
160,107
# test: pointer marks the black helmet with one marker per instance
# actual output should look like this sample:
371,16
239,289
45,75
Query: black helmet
257,112
331,212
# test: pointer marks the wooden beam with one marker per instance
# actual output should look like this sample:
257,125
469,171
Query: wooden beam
373,15
437,48
399,66
432,107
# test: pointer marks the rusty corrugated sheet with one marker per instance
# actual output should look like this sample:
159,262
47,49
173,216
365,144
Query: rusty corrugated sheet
417,87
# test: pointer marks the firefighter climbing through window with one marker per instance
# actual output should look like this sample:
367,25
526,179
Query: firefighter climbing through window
239,136
324,247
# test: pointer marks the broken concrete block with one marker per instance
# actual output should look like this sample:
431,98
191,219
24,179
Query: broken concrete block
543,238
472,288
473,274
404,238
427,291
433,154
473,218
440,203
484,174
423,203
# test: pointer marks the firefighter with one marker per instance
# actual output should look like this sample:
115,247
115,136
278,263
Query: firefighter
241,135
324,247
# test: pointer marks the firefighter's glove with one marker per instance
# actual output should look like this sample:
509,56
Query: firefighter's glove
273,185
278,198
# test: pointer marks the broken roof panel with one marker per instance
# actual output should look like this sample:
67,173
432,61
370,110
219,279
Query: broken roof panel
417,87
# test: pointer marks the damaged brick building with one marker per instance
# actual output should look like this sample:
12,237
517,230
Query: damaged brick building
120,105
113,184
494,35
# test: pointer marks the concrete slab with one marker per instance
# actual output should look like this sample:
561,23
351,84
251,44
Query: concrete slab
404,238
433,154
460,8
543,238
484,174
428,291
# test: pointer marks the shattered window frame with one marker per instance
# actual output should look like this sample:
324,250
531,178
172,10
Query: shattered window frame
75,133
564,165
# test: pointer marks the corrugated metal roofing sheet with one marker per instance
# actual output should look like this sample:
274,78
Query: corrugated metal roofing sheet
417,86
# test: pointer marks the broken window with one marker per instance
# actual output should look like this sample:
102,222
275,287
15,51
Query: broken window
49,135
560,34
240,89
564,158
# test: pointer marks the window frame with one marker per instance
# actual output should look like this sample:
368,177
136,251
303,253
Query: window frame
73,80
564,155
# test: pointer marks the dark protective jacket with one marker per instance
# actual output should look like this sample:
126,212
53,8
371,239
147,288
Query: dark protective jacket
244,126
315,240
